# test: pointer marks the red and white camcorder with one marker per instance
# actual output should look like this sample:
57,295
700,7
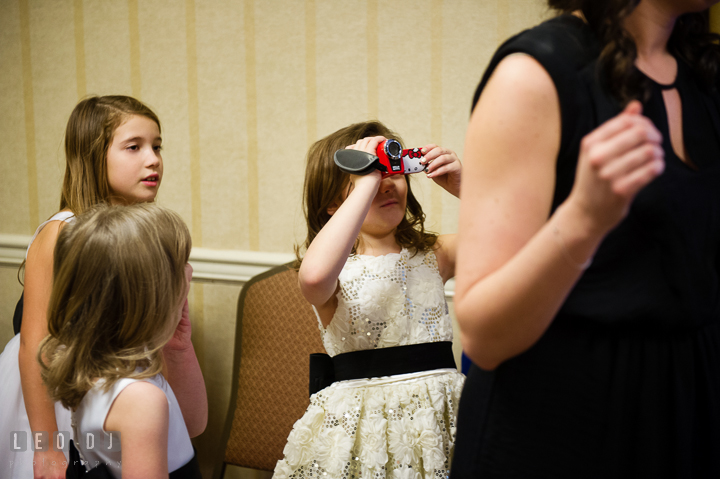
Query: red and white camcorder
390,159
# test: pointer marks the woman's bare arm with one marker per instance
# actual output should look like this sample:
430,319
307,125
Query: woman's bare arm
515,268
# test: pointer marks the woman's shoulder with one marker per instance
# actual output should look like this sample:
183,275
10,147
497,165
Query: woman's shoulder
562,45
565,37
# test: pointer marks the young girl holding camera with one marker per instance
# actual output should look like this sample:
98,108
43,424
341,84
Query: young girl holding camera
375,279
110,375
112,154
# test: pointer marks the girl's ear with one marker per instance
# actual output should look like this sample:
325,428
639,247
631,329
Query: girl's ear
334,206
344,192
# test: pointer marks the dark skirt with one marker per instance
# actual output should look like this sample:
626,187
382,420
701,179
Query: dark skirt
588,403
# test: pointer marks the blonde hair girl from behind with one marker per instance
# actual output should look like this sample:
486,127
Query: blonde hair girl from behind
120,292
119,278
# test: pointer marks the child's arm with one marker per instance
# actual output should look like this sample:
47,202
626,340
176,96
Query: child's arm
140,413
330,249
40,407
444,168
182,371
445,249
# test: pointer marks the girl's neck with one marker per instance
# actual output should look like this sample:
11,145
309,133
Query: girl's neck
372,245
651,25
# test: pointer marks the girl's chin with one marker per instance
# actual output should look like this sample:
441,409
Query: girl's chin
382,229
132,200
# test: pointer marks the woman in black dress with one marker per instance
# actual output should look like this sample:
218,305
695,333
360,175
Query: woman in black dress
588,280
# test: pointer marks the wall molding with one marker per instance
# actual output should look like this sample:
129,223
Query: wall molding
209,265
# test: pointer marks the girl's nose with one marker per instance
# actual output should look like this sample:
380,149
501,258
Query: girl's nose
153,158
387,185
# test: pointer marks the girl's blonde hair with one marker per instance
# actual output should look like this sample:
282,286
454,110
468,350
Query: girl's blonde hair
118,283
88,136
324,183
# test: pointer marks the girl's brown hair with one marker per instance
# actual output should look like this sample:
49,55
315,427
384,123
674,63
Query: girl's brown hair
690,41
324,183
118,283
88,136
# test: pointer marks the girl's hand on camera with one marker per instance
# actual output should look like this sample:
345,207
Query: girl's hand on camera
368,145
444,167
616,161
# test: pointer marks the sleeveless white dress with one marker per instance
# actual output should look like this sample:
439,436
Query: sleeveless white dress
95,443
400,426
16,454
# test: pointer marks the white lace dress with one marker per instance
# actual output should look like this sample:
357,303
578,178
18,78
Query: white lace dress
400,426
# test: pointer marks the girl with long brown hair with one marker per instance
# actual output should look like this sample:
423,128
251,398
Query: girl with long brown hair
588,285
375,279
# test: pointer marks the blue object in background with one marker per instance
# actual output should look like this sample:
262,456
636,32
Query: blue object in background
465,364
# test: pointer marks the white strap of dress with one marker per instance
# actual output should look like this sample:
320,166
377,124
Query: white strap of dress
65,216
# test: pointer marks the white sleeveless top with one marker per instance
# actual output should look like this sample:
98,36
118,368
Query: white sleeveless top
66,216
91,415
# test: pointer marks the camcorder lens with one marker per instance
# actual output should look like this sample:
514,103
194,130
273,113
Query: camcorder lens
393,149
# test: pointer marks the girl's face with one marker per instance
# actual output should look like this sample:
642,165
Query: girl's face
134,163
388,207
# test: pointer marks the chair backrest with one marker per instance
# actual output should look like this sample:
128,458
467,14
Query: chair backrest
275,334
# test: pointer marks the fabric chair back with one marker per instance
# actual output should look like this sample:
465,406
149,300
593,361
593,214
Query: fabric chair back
276,332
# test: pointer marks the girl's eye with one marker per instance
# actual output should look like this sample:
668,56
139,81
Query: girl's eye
157,148
132,147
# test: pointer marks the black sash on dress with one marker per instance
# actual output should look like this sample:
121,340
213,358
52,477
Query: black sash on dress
76,469
375,363
17,316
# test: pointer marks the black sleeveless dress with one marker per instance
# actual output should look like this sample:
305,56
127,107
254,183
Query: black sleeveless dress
626,381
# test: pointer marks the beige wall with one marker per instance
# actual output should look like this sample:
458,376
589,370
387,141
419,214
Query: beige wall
242,88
